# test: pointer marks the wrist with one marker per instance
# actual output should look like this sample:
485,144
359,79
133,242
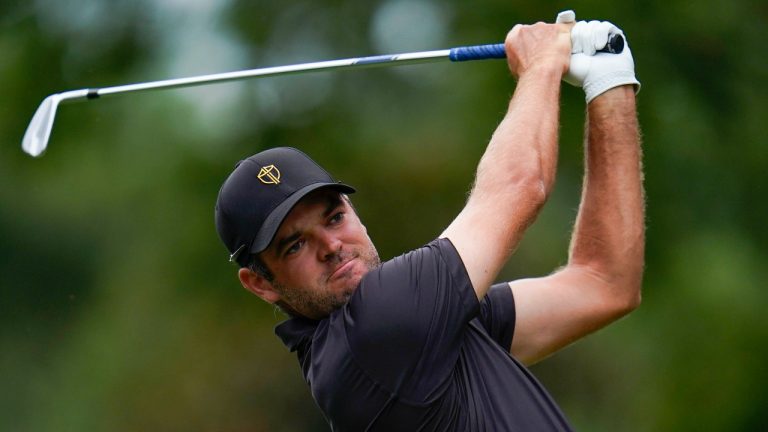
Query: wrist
544,72
613,107
620,95
617,78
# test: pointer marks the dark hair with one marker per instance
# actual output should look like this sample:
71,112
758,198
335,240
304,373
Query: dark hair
256,265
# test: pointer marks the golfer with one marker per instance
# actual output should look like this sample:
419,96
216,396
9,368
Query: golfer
426,341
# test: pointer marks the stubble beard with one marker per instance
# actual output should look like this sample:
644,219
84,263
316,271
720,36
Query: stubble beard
321,302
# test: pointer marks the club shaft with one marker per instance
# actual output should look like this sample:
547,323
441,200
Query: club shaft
458,54
372,61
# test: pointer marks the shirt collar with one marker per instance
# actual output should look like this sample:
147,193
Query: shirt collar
296,331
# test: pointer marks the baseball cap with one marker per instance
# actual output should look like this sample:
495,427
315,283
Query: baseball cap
260,192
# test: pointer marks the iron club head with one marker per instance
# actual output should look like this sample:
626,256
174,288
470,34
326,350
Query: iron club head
39,130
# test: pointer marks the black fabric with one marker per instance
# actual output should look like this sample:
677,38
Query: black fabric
413,349
497,314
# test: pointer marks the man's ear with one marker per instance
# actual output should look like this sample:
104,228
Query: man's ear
258,285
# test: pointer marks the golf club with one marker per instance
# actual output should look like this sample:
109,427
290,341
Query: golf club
38,132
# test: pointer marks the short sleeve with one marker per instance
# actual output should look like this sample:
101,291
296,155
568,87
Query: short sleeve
405,323
497,314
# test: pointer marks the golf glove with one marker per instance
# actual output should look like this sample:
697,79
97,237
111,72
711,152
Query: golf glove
594,71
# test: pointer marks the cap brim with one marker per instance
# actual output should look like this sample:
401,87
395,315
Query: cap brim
275,218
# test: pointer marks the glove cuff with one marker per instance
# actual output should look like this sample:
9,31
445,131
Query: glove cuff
609,81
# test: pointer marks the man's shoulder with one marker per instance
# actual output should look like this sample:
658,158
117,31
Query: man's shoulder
397,305
439,251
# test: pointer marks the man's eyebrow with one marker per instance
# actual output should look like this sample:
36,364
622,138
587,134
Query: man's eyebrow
285,241
333,203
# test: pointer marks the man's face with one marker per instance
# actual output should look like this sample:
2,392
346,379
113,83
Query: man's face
319,254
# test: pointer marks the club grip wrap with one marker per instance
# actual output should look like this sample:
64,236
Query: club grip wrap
477,52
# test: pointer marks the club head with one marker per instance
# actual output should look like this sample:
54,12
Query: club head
39,130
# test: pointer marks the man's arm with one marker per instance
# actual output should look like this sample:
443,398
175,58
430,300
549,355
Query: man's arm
517,171
603,277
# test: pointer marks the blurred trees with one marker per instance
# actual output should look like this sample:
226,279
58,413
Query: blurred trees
120,312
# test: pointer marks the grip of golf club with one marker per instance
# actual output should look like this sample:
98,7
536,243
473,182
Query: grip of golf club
477,52
615,45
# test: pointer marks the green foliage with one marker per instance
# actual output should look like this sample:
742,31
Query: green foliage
119,310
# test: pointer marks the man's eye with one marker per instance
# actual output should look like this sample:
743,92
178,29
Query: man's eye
338,217
294,247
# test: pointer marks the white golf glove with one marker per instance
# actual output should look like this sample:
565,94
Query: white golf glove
594,71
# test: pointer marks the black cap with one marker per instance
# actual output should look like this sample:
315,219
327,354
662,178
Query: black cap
260,192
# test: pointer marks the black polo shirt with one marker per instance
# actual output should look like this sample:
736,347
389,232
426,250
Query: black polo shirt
413,350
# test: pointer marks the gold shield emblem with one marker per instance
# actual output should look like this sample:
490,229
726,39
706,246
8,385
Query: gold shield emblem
269,175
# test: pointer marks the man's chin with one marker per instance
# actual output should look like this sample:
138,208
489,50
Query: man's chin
348,288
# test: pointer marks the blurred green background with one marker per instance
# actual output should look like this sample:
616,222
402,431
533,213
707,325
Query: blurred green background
119,310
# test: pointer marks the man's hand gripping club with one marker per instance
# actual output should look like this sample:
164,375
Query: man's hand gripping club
594,71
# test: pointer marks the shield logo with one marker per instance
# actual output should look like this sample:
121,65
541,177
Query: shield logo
269,175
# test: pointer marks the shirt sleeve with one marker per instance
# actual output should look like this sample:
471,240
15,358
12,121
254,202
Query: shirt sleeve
497,314
406,321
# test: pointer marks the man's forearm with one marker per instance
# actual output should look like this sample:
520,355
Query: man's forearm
524,146
517,169
604,273
609,235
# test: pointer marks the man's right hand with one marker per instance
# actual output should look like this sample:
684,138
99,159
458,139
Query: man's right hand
540,45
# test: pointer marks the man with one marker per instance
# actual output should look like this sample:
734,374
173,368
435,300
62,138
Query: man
423,341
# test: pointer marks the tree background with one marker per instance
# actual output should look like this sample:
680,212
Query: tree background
119,310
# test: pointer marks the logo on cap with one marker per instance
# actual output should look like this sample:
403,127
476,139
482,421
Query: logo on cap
269,175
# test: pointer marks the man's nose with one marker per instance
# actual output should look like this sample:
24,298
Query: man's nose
330,246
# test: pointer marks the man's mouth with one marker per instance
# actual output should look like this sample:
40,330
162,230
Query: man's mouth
342,269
